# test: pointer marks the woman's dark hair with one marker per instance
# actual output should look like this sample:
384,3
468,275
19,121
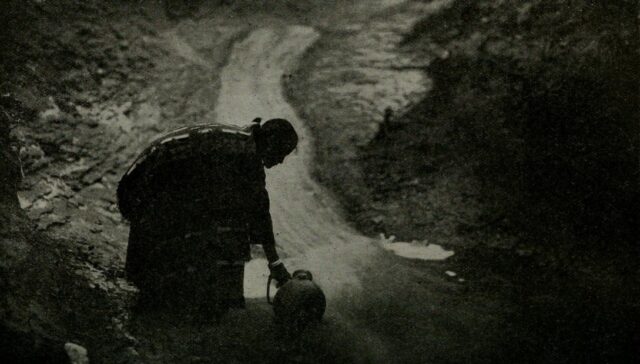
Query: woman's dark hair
279,135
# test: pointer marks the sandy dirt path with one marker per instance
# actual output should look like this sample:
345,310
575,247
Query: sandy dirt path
395,309
308,227
309,230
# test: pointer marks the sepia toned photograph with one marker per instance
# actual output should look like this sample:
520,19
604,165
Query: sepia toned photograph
319,181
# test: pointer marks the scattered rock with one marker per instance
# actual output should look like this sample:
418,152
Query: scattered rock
53,113
50,219
24,202
131,353
413,182
77,354
40,206
524,252
95,229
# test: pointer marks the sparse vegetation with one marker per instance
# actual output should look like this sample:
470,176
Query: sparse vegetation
540,101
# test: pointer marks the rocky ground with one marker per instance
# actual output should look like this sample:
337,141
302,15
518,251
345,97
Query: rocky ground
88,85
59,281
85,85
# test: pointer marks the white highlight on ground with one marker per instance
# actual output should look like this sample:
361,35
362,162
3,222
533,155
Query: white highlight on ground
256,274
415,249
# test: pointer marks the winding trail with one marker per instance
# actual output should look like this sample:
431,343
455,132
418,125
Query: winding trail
383,307
308,227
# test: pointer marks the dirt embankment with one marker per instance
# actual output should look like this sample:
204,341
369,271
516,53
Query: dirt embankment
529,131
527,142
346,82
85,86
59,58
539,103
